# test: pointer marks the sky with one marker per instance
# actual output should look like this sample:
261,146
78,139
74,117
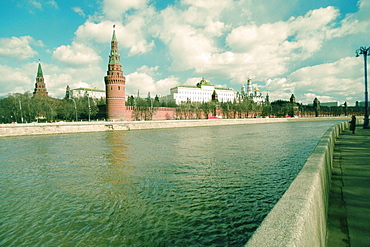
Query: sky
301,47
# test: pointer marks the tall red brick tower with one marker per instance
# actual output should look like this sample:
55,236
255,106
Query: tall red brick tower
40,88
115,84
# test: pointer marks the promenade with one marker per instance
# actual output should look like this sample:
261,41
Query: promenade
7,130
349,199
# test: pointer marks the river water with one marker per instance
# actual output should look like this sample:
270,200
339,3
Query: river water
204,186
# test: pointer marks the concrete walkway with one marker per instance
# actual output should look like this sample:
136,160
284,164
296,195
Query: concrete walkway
349,200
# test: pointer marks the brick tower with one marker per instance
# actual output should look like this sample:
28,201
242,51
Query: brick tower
115,84
40,88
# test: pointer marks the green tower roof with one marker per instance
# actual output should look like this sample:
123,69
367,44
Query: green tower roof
39,71
114,38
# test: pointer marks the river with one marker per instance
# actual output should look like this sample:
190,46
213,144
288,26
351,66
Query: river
202,186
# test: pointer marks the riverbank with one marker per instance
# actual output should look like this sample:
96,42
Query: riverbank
7,130
300,216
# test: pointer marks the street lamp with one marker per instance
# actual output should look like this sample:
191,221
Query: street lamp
75,107
20,107
88,104
365,52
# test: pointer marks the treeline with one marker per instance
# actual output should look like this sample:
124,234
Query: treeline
149,102
24,108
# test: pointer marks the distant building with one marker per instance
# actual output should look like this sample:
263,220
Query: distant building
254,95
93,93
361,103
40,87
330,104
202,92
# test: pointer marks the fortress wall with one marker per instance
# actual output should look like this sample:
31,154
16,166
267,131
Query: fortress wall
299,217
78,127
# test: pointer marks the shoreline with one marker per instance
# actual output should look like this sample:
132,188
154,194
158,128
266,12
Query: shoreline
29,129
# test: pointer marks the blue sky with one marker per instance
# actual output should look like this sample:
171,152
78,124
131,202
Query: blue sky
286,46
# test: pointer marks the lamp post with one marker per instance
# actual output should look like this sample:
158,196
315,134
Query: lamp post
75,107
88,104
20,107
365,51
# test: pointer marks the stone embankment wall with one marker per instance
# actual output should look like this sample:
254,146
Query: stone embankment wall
78,127
300,216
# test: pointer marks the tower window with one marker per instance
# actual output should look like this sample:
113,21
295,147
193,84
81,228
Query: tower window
119,88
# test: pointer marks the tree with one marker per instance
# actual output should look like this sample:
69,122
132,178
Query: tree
156,102
207,108
130,101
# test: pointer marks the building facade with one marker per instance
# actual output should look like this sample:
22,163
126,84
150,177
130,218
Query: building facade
115,84
202,92
94,93
40,87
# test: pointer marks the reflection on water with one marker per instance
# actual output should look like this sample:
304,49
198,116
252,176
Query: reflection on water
206,186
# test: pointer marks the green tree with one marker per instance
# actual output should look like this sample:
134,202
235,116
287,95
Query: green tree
208,108
130,101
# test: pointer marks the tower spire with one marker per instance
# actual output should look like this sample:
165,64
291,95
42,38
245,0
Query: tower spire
39,71
114,38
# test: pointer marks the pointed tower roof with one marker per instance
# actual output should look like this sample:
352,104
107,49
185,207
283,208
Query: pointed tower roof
114,57
292,98
39,71
40,87
114,38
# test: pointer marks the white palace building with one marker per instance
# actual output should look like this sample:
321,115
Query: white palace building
94,93
202,92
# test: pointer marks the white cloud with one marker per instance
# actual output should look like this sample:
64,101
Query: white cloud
95,32
139,81
53,3
36,4
130,36
354,23
340,80
114,9
18,48
79,11
269,49
192,33
14,76
146,84
189,46
76,55
163,86
152,71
